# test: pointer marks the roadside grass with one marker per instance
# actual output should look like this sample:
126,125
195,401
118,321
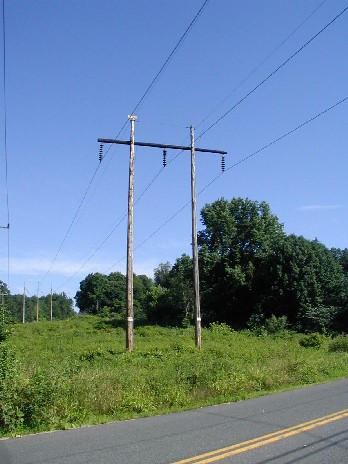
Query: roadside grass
63,374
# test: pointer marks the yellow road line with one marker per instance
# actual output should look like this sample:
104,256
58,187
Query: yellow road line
238,448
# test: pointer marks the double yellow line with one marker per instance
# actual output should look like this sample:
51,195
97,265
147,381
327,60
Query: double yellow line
248,445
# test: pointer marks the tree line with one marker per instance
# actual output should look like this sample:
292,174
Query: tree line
62,306
250,271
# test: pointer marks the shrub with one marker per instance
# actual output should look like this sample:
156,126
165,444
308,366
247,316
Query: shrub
275,324
314,340
339,344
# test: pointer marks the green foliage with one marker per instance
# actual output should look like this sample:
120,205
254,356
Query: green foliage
238,235
318,319
78,371
341,256
276,325
313,340
174,303
300,279
270,326
62,307
339,344
102,294
11,415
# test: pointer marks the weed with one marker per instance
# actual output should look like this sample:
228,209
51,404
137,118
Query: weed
339,344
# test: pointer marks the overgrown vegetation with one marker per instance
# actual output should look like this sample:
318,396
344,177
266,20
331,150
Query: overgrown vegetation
272,305
63,374
250,270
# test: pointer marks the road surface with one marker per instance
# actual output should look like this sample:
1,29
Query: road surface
308,425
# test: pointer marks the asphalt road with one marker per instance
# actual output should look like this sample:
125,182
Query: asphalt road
308,425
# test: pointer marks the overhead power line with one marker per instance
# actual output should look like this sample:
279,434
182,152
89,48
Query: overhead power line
243,160
259,85
162,68
5,143
222,117
262,62
274,72
147,91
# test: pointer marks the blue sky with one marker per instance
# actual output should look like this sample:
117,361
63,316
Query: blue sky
75,70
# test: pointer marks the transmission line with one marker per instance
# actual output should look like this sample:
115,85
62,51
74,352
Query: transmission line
274,72
259,85
5,143
262,62
231,109
246,158
147,91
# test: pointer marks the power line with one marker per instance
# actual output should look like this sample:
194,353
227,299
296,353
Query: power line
225,114
5,143
262,62
165,64
259,85
182,38
274,72
246,158
147,91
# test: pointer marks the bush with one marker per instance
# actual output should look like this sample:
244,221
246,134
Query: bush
11,416
275,324
339,344
314,340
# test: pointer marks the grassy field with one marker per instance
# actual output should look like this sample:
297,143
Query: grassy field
63,374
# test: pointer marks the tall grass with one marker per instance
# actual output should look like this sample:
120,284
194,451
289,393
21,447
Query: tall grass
69,373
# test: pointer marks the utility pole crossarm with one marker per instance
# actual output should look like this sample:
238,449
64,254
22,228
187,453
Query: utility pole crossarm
161,145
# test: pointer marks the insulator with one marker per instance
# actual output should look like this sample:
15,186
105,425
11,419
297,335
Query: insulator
223,164
164,158
100,153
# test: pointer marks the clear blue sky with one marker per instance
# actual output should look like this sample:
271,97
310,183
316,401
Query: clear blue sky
76,68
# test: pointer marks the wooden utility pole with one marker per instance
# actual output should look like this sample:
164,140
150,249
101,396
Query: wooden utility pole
193,150
130,311
197,304
37,302
23,309
51,306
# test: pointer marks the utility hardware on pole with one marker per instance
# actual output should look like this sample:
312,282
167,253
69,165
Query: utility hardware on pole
193,150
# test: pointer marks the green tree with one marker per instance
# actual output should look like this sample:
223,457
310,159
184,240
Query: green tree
171,302
161,274
301,280
102,294
341,256
238,236
99,292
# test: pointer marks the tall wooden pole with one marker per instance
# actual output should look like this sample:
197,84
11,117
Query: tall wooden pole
37,302
51,306
130,313
193,149
23,309
197,305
